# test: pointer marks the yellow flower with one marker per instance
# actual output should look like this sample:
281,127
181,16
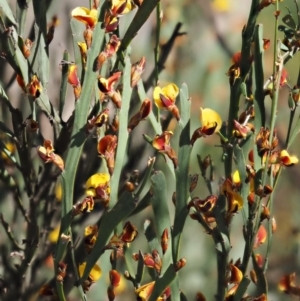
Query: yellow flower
94,275
121,7
286,159
58,192
90,234
98,187
143,293
86,16
234,199
165,97
221,5
54,234
83,50
236,179
211,121
11,147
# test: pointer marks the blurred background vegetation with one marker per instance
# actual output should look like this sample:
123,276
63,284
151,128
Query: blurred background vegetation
200,58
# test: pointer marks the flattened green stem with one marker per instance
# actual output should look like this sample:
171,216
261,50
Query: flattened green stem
159,203
123,133
78,139
182,171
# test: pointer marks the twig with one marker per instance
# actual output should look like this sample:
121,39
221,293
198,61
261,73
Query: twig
10,234
164,53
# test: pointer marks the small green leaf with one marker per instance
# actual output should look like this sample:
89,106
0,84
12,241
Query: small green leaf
123,132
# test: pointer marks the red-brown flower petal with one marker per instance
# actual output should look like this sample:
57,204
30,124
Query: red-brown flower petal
129,232
261,236
114,278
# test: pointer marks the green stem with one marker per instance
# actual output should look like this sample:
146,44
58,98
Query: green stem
60,291
235,91
270,232
156,49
